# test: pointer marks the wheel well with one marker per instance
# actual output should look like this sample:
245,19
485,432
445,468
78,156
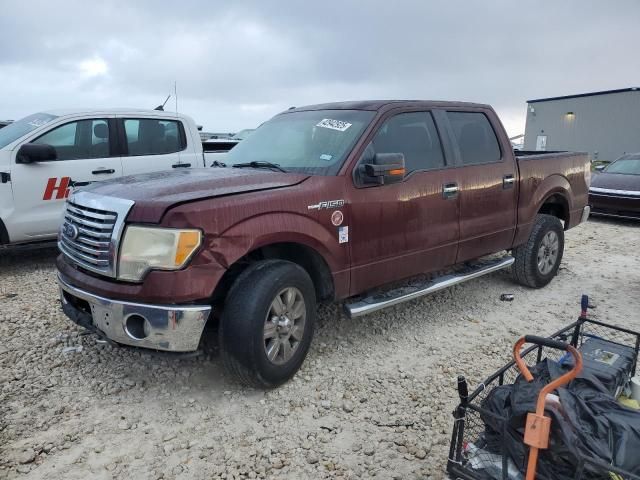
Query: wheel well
557,206
4,235
306,257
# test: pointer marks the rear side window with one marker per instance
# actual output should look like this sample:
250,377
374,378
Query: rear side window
79,140
218,146
153,137
415,136
475,136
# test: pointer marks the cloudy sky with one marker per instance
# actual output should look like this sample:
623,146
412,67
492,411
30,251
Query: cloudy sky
238,63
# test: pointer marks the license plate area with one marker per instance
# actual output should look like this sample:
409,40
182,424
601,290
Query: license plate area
102,317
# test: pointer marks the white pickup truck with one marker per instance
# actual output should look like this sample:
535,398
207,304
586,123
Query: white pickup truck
46,155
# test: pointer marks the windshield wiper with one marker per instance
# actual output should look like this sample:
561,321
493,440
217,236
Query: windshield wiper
216,163
260,164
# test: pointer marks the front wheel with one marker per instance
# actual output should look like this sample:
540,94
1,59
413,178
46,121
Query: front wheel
538,260
267,323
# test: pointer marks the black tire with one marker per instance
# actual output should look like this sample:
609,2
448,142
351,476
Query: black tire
4,235
241,333
526,270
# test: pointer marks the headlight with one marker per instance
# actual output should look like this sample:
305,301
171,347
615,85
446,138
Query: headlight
148,248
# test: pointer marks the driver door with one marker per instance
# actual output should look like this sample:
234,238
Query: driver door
85,154
407,228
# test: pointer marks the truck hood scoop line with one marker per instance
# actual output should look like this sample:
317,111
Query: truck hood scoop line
154,193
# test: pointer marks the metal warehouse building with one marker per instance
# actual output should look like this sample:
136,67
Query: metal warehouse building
604,124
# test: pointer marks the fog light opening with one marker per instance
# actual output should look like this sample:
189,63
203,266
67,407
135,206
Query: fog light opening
137,327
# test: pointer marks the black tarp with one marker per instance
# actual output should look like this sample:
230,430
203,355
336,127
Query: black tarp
589,423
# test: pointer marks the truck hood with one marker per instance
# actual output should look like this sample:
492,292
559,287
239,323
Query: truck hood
616,181
154,193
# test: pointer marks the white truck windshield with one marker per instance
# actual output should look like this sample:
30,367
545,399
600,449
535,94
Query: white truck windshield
15,130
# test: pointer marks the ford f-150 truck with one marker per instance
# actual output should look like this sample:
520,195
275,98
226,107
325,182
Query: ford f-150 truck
338,202
46,155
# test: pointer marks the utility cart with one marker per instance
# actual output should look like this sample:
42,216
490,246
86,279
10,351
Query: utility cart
562,409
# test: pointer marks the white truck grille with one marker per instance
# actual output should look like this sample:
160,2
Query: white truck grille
91,231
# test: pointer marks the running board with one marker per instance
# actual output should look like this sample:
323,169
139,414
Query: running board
379,301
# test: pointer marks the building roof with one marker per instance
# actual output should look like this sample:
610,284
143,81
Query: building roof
591,94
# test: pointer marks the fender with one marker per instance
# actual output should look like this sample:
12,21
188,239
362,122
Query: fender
553,184
278,227
533,196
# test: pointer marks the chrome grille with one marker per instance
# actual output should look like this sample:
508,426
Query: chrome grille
86,235
91,231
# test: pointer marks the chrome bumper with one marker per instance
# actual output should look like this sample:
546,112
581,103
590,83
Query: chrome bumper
585,214
173,328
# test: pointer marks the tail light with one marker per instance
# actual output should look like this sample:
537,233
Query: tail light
587,174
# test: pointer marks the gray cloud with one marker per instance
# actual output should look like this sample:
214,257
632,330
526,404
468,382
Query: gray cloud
238,63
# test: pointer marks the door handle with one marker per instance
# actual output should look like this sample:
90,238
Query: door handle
181,165
103,171
449,190
508,181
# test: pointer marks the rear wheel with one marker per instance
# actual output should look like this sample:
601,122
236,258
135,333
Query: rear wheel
267,323
538,260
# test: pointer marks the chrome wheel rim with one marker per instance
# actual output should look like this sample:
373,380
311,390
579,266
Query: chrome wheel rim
548,252
284,325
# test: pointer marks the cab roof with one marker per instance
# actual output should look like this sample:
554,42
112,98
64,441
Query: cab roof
110,111
377,105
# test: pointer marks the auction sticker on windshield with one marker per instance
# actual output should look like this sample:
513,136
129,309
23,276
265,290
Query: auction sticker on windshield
333,124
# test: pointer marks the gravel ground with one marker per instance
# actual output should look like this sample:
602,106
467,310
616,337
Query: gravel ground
374,397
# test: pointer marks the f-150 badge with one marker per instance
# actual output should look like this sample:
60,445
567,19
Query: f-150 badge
327,204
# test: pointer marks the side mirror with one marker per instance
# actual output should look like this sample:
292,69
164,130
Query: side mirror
386,168
600,168
33,152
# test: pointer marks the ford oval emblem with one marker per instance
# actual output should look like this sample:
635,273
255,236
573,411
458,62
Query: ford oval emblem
70,231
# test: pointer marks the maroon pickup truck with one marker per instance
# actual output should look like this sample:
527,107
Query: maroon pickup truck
337,202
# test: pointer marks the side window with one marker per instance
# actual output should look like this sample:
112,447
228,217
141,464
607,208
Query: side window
476,138
153,137
79,140
415,136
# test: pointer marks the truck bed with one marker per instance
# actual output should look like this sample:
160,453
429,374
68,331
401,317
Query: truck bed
561,172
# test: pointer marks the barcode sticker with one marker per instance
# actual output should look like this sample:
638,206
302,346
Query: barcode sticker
333,124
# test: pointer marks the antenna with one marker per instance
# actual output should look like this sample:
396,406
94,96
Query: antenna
175,94
161,107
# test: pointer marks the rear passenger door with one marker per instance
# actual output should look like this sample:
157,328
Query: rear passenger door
486,184
153,144
403,229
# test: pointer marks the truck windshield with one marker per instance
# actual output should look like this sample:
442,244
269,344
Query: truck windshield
314,142
15,130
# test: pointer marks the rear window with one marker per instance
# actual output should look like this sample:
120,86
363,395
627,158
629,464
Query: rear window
476,138
153,137
218,146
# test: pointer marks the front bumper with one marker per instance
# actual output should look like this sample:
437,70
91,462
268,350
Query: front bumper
615,203
175,328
